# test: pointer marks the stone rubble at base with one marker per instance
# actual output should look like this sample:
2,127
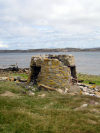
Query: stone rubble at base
90,90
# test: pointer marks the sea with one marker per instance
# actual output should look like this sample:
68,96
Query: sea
86,62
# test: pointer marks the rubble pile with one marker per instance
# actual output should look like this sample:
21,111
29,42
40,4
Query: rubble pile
90,90
13,78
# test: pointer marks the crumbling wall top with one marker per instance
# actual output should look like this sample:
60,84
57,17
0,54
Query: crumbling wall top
67,60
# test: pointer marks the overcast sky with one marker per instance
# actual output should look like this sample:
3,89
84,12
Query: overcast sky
29,24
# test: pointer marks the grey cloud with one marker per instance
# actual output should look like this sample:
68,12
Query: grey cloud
49,23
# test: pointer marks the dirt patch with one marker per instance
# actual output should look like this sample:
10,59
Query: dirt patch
8,94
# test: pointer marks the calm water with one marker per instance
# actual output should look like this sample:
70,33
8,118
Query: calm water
86,62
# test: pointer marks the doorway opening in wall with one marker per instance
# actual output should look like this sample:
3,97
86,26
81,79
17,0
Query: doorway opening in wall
36,71
73,72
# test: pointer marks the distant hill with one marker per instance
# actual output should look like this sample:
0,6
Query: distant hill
50,50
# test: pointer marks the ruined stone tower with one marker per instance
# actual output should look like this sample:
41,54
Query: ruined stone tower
53,71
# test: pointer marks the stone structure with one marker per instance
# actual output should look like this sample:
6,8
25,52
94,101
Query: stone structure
52,71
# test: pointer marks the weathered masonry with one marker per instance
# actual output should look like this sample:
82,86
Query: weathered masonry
53,71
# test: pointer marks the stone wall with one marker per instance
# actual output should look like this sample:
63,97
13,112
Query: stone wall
67,60
52,70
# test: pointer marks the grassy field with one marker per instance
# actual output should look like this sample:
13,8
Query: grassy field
89,78
53,113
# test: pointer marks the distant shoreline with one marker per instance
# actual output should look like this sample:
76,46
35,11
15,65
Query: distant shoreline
52,50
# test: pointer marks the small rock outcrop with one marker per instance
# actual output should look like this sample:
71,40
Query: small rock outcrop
53,71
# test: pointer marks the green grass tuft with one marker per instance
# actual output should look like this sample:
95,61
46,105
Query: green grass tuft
22,75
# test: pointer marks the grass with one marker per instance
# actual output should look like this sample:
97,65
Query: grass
22,75
14,74
89,78
54,113
9,86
